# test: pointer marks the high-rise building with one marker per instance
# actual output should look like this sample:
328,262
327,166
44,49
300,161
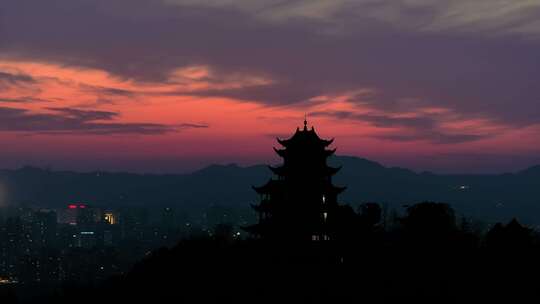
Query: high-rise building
68,215
88,215
44,226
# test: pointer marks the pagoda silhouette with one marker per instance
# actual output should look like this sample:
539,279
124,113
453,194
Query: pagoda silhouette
299,203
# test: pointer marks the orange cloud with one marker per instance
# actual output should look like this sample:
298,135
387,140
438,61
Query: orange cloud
138,118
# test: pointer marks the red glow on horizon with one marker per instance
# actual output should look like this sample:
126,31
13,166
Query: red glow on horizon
243,130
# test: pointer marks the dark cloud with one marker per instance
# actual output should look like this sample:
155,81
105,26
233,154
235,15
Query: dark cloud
383,121
410,128
478,69
85,115
76,121
16,78
10,79
24,99
107,91
192,126
432,136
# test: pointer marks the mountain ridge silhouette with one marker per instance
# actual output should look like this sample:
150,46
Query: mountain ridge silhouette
490,197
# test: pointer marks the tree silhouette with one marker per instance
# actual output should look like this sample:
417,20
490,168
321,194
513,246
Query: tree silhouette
429,224
370,214
512,236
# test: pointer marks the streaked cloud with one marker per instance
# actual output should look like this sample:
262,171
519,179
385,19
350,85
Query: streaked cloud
10,79
480,16
75,121
395,127
23,99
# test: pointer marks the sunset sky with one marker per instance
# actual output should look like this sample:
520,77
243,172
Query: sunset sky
174,85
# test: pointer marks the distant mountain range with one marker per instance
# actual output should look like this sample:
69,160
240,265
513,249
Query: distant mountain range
488,197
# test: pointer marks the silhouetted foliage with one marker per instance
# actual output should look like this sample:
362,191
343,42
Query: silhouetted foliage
223,232
512,236
370,214
430,218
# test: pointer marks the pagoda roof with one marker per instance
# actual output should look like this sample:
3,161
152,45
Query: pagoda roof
269,187
337,189
305,135
280,152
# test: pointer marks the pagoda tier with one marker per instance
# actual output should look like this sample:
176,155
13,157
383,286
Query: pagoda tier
300,203
284,152
301,136
275,186
283,171
270,187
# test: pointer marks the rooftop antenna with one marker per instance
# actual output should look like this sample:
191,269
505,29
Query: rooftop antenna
305,121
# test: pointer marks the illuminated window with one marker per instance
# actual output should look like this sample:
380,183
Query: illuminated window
325,215
324,199
314,237
110,219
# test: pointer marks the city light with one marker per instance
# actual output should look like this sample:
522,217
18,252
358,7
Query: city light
5,281
110,218
75,206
